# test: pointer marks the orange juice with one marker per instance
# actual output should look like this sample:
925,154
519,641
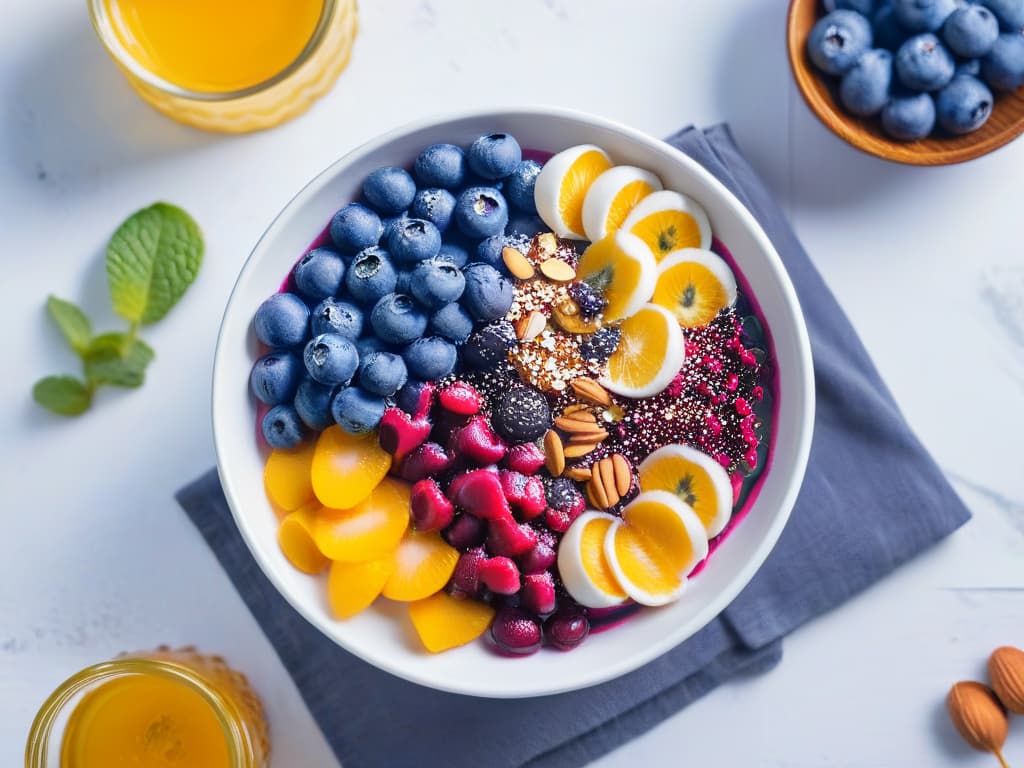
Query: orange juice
144,721
214,45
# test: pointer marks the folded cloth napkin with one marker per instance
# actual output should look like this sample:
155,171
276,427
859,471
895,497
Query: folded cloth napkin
843,535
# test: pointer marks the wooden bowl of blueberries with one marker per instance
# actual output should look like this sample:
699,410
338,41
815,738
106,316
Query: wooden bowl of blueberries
923,82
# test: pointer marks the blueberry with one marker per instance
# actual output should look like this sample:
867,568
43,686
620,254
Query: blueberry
430,358
488,293
275,377
389,190
970,67
331,359
1003,67
340,317
964,105
441,165
1009,12
481,212
527,224
391,222
282,427
494,155
313,403
909,116
863,7
408,397
355,227
282,321
924,64
488,347
888,31
518,189
435,205
452,322
454,254
414,240
436,282
318,274
404,282
970,31
923,15
369,344
382,373
356,411
838,40
397,320
370,276
489,251
864,90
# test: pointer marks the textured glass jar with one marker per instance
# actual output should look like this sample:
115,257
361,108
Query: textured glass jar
237,709
281,97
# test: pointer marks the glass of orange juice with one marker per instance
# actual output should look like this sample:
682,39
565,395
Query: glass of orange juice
228,65
160,709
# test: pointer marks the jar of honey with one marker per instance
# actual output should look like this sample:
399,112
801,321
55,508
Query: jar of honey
228,65
161,709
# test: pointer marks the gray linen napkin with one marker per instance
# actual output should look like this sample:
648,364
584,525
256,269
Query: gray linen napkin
844,534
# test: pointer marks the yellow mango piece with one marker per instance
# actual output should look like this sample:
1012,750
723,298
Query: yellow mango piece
352,587
346,468
370,530
295,537
286,477
443,622
423,564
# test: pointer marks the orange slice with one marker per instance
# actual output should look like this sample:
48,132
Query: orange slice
562,185
347,467
582,564
423,564
669,221
649,355
622,268
444,622
612,196
287,479
694,285
295,537
654,547
352,587
368,531
695,478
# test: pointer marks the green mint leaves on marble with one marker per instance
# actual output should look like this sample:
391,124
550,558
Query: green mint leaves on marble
151,261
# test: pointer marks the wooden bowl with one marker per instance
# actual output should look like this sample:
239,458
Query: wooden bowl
822,95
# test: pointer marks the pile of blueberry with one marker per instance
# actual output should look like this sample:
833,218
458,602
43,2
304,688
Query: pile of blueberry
410,274
919,63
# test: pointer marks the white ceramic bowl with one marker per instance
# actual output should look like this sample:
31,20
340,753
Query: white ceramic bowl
383,635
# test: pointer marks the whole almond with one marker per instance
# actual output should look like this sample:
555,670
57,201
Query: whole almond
1006,672
590,435
554,455
576,408
595,488
557,270
574,425
517,263
579,474
590,391
622,473
578,450
607,473
978,717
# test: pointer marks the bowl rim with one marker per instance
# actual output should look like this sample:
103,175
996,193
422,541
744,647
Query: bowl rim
803,386
893,151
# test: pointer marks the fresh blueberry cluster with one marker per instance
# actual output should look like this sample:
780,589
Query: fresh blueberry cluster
921,63
407,277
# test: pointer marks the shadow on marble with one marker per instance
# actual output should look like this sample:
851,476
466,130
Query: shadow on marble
74,116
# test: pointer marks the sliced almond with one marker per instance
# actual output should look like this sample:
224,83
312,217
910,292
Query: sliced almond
596,488
529,326
590,391
547,243
578,450
557,270
622,473
517,263
579,474
554,454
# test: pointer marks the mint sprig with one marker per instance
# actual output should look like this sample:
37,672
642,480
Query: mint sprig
151,260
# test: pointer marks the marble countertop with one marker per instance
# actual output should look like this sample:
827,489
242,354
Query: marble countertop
96,557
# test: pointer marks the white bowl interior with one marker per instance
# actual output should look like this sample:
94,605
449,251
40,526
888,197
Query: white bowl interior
383,636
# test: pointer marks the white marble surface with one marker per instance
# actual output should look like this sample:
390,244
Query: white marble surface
96,558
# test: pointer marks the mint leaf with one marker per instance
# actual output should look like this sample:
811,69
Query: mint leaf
65,395
117,359
72,323
152,259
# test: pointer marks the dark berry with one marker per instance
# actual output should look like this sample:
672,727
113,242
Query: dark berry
515,631
563,495
487,348
567,629
600,345
521,415
587,299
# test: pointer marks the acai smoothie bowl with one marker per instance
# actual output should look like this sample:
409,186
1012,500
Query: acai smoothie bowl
508,404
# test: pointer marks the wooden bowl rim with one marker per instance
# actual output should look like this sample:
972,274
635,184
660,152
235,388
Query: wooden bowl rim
848,128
